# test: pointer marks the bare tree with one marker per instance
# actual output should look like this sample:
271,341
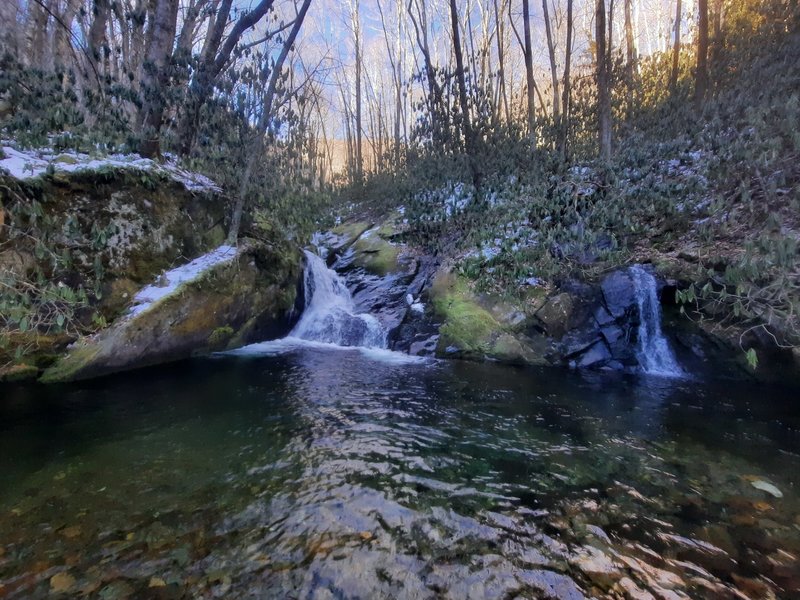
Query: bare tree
701,73
213,60
630,56
463,101
255,151
359,129
526,24
676,49
603,83
564,125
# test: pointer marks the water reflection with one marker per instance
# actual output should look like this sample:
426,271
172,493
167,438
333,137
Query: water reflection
316,473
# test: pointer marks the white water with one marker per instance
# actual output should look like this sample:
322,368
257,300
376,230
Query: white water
330,313
652,348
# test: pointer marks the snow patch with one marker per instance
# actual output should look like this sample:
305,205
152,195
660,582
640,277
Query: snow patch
28,164
172,279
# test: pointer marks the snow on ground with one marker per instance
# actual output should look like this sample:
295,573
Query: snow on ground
27,164
169,281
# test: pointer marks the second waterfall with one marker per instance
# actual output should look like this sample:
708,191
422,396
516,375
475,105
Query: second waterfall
330,313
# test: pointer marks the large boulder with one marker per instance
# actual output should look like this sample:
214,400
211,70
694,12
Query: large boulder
246,298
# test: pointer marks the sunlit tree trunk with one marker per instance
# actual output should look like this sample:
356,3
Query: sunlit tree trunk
701,73
676,49
630,57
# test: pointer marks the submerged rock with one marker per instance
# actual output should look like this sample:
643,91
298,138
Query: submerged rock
246,298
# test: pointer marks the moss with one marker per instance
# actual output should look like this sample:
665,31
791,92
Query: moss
18,372
220,336
377,255
216,236
351,231
467,326
70,365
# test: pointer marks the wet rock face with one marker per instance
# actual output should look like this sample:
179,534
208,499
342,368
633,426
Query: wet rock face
247,299
592,326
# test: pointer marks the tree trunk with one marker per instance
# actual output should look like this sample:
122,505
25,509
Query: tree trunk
563,129
359,129
214,58
526,24
630,58
501,60
97,35
462,95
603,84
155,78
701,74
256,150
551,50
676,49
434,91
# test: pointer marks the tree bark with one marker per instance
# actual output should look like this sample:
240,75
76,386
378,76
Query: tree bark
462,96
603,84
551,50
676,49
630,57
155,78
701,73
526,24
564,125
359,174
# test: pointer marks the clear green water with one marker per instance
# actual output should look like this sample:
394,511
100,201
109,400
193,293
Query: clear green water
327,474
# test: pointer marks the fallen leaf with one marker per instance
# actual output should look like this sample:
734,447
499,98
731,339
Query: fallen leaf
157,582
61,582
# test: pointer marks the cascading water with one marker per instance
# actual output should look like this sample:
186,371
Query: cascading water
329,314
652,348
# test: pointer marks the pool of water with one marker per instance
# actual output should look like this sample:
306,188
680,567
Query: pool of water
321,473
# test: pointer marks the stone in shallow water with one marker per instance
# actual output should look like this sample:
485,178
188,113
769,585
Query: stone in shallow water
764,486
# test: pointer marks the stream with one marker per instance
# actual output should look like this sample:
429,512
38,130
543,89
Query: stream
303,470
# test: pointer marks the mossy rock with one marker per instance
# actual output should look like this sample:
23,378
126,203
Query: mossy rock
240,301
510,348
350,232
377,255
467,326
21,372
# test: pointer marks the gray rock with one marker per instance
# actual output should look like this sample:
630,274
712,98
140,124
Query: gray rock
618,293
596,356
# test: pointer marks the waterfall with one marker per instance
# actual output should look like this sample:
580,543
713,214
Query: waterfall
652,349
330,313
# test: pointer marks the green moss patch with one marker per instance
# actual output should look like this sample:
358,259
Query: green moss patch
350,232
69,367
467,326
